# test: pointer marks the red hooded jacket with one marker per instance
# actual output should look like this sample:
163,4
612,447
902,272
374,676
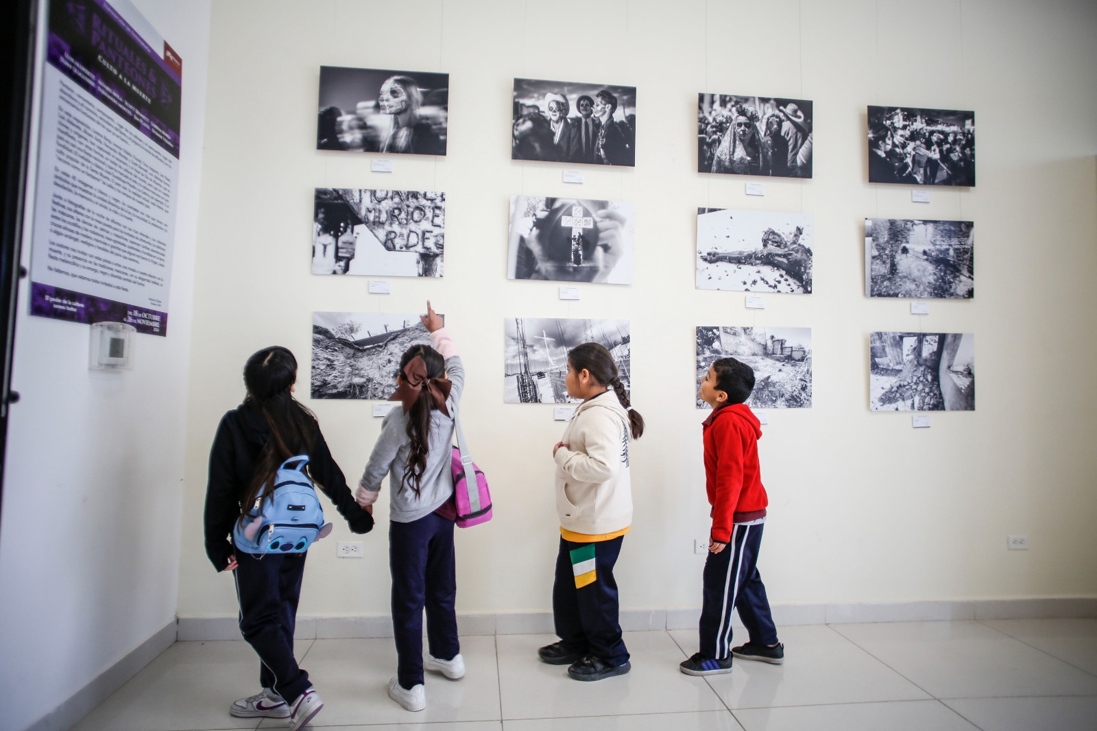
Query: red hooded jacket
733,479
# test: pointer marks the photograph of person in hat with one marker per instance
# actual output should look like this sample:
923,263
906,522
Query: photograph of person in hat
572,122
754,135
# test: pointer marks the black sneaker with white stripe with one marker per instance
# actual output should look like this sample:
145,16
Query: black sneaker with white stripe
762,653
704,665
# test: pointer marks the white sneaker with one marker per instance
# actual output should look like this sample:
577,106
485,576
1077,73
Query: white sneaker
412,700
453,669
305,708
265,704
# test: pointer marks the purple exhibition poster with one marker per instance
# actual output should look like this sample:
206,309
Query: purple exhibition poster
108,168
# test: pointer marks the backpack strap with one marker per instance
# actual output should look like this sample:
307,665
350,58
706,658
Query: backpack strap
301,460
469,469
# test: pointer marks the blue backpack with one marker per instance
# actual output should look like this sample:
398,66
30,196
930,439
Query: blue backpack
290,522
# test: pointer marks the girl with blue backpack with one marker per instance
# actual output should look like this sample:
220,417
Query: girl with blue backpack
270,435
415,451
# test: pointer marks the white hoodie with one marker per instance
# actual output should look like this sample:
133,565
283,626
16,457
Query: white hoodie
593,488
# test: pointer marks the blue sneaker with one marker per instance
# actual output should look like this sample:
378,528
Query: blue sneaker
700,664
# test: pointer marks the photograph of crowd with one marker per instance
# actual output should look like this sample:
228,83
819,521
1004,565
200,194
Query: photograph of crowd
375,110
570,240
919,258
356,355
753,135
912,371
562,121
536,355
779,356
754,251
398,233
921,146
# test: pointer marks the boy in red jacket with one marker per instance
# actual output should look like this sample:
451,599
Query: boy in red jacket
734,485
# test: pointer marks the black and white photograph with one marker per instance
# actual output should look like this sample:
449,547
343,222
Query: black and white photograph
754,135
378,110
913,371
570,240
536,355
356,355
780,357
754,251
391,233
911,258
913,146
566,121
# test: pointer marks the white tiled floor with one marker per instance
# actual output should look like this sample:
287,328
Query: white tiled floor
1001,675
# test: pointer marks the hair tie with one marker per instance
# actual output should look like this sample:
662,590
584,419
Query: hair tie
411,385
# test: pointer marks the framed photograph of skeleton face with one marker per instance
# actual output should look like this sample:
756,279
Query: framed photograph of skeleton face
574,122
383,110
754,135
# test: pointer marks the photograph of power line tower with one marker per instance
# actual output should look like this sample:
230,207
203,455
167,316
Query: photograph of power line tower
537,355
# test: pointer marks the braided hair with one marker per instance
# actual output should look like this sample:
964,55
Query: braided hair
599,363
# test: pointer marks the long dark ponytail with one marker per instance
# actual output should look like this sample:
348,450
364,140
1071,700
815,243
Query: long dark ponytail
599,363
268,375
418,428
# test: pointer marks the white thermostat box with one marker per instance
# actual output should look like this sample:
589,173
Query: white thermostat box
111,343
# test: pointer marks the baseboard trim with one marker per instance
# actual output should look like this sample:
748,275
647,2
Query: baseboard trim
637,620
70,712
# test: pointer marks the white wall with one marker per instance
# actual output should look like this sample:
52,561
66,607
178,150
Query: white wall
89,545
863,508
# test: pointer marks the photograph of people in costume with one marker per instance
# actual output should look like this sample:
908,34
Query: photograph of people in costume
563,121
378,110
753,135
913,146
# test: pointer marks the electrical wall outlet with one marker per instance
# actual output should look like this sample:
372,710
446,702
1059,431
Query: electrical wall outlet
1017,543
700,545
349,549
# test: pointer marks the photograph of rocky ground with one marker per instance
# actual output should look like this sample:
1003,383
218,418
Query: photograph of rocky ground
356,355
920,258
780,357
754,251
922,371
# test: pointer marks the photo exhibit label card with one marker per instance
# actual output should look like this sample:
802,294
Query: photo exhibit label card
920,421
563,413
378,286
382,410
763,418
919,196
381,166
573,176
569,293
919,308
756,189
754,302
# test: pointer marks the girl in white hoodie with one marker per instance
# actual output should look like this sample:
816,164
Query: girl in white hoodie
594,503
